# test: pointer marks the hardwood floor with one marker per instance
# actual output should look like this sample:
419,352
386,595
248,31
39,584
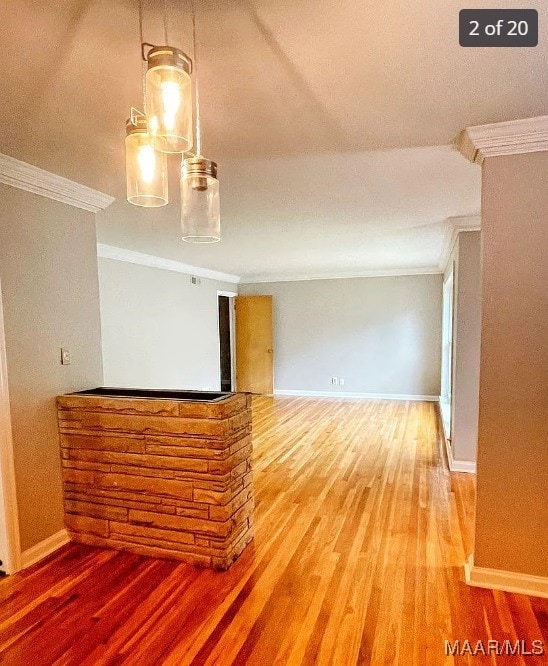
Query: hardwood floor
361,534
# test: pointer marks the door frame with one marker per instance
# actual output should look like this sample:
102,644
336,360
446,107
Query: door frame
9,530
232,318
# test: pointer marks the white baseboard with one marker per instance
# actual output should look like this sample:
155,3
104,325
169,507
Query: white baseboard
343,394
507,581
468,466
44,548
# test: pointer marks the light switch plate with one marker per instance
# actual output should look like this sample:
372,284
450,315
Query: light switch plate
65,356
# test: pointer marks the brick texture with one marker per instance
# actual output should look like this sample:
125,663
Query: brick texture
163,478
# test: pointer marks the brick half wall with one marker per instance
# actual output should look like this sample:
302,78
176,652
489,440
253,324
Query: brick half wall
163,478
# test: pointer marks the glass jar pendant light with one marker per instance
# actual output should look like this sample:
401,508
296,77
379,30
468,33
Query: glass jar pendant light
200,207
146,168
169,98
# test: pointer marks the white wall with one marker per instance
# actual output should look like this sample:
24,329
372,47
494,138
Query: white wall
512,482
48,270
382,335
159,330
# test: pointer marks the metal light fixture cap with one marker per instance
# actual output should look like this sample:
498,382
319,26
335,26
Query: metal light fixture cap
168,56
136,125
199,166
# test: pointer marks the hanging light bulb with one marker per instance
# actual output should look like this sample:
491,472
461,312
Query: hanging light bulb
169,99
146,168
200,207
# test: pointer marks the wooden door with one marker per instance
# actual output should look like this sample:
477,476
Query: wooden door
254,352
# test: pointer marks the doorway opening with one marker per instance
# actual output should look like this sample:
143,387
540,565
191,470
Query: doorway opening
9,525
447,356
226,340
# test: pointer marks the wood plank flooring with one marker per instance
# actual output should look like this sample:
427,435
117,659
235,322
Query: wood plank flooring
361,533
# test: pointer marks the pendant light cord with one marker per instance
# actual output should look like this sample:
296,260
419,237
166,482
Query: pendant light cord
165,23
140,3
198,148
143,60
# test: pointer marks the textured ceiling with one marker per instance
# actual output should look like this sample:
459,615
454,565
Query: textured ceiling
289,80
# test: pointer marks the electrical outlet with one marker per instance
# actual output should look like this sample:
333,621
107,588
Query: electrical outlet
65,356
335,381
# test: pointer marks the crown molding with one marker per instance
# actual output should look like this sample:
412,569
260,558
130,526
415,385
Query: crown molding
132,257
455,225
386,272
33,179
513,137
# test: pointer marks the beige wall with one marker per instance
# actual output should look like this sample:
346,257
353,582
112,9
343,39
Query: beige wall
465,260
512,482
382,335
159,330
48,270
